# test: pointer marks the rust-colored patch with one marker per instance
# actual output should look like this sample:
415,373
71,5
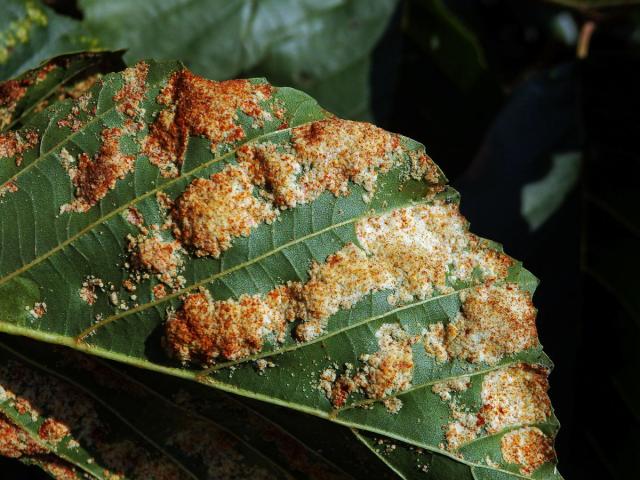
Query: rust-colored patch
39,310
128,285
211,213
335,151
58,469
53,430
134,217
88,295
130,96
527,447
15,442
44,396
159,291
511,396
495,320
9,187
426,246
390,369
444,389
88,290
323,156
383,373
68,413
200,107
95,177
407,251
14,144
515,396
157,256
204,329
341,281
11,92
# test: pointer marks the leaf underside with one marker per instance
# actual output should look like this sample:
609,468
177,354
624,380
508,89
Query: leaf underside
114,437
66,260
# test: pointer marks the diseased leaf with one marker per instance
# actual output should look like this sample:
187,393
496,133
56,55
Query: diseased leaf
61,77
595,4
181,433
321,47
61,419
237,234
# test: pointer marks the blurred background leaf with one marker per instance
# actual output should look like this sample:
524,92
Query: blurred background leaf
319,46
31,33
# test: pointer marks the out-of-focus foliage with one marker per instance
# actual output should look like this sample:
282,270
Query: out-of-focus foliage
31,32
319,46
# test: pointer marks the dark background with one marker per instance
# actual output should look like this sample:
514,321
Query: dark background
493,112
536,99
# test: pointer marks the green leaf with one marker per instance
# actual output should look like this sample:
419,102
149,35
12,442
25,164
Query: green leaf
31,33
350,289
453,46
63,76
540,199
312,45
171,424
411,462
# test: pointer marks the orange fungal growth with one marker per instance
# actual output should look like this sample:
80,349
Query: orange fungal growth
9,187
11,92
495,321
95,177
14,144
129,98
211,213
53,430
200,107
383,373
527,447
515,396
341,281
410,252
157,256
511,396
204,329
15,442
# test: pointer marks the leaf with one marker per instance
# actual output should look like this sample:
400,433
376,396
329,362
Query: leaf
411,462
63,76
31,33
540,199
350,290
177,429
453,46
321,47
